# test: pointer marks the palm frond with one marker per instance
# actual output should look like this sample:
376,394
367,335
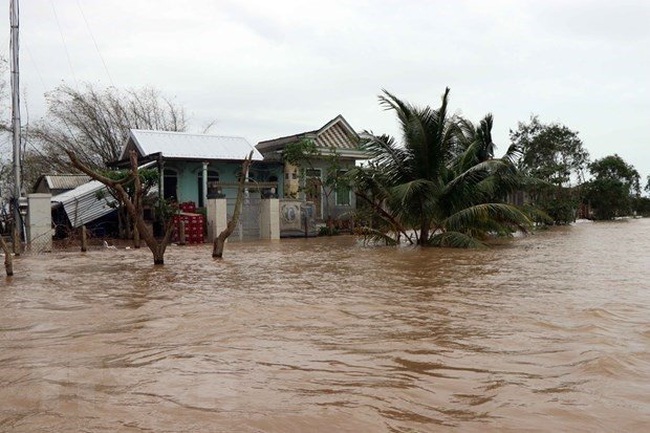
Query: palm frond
420,189
502,213
376,236
454,240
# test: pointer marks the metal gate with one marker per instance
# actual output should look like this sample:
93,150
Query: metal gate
248,227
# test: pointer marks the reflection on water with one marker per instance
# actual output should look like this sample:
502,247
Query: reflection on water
546,333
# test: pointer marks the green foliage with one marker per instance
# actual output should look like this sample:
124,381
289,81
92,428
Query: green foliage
328,231
303,154
559,203
614,167
148,178
641,205
551,152
613,188
300,152
554,155
443,184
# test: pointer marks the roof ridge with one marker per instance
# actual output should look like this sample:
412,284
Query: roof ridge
195,134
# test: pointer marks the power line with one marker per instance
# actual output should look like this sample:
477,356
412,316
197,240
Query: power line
65,47
95,43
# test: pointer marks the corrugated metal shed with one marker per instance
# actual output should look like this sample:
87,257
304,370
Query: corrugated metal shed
81,204
183,145
58,183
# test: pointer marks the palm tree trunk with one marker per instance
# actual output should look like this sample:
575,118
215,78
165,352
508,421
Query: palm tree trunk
425,226
424,236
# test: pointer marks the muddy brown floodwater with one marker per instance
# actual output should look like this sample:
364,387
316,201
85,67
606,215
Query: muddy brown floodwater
549,333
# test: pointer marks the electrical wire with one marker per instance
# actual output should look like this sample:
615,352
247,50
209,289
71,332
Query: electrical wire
95,43
65,47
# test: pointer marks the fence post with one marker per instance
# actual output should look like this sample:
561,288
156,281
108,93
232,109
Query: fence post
84,239
181,232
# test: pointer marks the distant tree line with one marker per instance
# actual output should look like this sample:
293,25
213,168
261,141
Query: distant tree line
568,184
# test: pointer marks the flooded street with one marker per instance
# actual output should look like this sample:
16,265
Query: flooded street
547,333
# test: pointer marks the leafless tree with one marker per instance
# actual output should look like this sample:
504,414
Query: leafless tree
94,123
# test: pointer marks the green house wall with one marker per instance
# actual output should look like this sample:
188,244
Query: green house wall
188,177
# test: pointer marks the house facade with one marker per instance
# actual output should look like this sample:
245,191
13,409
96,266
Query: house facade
195,166
320,179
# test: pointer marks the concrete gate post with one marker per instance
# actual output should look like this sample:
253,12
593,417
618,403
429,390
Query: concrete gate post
216,216
270,219
39,223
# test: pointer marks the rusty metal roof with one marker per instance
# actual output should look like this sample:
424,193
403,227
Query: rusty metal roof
182,145
63,181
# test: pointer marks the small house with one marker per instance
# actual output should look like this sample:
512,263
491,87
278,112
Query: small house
192,166
320,179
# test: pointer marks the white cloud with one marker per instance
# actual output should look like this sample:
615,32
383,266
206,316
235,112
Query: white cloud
265,69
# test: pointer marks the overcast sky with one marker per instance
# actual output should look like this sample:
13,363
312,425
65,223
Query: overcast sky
264,69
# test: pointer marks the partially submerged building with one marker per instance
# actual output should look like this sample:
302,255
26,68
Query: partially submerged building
192,166
336,143
195,167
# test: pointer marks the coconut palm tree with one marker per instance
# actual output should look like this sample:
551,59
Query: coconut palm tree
442,183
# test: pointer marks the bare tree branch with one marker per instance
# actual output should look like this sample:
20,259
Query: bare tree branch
220,241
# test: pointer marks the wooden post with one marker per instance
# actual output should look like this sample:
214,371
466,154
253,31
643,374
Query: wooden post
84,239
181,232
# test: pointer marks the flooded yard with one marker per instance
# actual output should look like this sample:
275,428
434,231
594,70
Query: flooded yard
545,333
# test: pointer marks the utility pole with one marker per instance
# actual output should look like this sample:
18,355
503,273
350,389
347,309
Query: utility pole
15,110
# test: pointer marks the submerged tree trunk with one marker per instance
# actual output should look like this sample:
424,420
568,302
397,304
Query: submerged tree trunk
129,226
84,239
136,237
397,226
9,262
424,232
220,241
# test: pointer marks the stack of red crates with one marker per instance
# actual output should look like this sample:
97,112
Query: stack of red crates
187,207
194,224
